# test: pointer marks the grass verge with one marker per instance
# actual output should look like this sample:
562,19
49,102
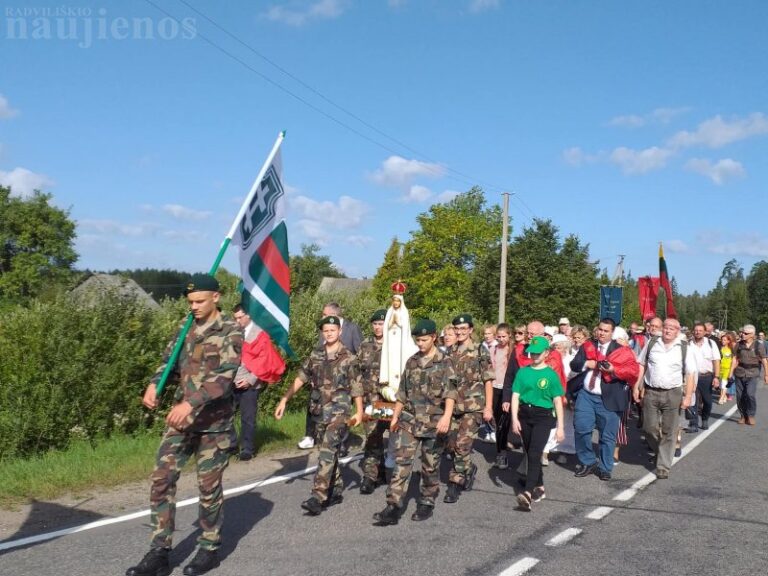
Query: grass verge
112,462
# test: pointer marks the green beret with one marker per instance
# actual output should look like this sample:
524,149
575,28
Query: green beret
538,345
424,327
201,283
379,315
462,319
333,320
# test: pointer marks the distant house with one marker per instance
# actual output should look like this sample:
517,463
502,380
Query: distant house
344,285
97,286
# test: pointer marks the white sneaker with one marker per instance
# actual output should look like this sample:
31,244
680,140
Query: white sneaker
306,443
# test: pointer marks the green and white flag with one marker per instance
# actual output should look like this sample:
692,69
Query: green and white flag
262,236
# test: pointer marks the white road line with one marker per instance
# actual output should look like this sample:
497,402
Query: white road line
600,512
649,478
520,567
9,544
564,536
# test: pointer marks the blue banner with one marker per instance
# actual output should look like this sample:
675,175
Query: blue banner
611,301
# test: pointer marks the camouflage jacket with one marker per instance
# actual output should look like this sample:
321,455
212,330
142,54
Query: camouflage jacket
205,371
423,392
369,362
333,383
473,369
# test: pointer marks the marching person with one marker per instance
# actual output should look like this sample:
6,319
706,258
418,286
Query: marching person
369,363
331,371
423,410
474,404
536,408
199,425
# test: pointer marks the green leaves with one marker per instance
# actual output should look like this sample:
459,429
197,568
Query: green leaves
35,244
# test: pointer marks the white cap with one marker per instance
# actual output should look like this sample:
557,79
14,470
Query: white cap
620,334
564,320
557,338
550,330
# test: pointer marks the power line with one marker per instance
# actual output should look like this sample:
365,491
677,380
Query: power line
457,175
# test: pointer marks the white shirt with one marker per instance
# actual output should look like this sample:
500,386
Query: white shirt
598,389
705,353
664,368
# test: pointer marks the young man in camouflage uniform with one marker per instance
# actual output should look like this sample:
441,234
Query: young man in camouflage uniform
474,376
369,362
423,411
199,425
331,371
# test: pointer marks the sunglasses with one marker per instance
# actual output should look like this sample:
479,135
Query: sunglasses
520,333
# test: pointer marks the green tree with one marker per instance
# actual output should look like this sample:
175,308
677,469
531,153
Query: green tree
391,269
309,268
439,258
36,244
727,301
757,293
548,279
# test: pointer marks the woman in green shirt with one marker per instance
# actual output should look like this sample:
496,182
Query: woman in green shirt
537,405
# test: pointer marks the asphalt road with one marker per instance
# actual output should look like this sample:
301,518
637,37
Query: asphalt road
710,517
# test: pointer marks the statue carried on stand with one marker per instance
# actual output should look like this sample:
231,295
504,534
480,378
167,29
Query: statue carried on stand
398,343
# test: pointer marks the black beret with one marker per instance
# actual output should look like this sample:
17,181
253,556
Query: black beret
423,327
201,283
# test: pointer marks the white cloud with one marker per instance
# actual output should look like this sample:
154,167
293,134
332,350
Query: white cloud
447,195
719,172
298,13
5,109
749,244
359,241
640,161
575,156
347,213
416,193
24,182
399,171
476,6
675,246
191,236
183,213
656,116
315,231
716,132
115,228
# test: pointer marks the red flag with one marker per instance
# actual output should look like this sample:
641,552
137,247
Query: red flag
647,294
664,282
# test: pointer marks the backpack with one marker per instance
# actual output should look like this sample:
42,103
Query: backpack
683,350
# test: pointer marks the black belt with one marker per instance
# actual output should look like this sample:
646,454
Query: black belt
660,388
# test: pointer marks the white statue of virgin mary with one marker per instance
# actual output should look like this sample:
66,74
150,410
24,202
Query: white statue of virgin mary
398,343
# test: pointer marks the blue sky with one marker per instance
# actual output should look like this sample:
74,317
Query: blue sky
627,123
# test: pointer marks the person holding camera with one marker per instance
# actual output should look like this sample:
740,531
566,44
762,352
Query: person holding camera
605,367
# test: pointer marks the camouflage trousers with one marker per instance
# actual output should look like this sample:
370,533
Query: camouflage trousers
374,448
406,445
328,475
211,457
463,433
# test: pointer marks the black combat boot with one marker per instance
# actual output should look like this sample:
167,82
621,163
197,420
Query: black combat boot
387,517
367,486
333,499
423,512
452,494
204,561
469,477
154,563
312,506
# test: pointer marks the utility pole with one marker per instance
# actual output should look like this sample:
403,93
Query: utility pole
503,274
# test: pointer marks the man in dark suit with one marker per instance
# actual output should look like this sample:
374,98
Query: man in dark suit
600,402
351,337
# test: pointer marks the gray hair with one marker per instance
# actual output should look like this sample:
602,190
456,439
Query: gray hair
748,328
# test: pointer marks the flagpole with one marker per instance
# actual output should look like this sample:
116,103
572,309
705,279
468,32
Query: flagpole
215,266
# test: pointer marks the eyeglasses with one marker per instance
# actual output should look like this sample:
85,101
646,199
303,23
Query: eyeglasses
520,333
746,333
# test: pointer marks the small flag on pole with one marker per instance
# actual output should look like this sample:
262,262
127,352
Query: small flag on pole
664,282
262,237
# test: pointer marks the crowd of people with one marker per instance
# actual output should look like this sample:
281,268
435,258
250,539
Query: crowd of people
425,395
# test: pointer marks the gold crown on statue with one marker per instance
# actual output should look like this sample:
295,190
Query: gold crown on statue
398,287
